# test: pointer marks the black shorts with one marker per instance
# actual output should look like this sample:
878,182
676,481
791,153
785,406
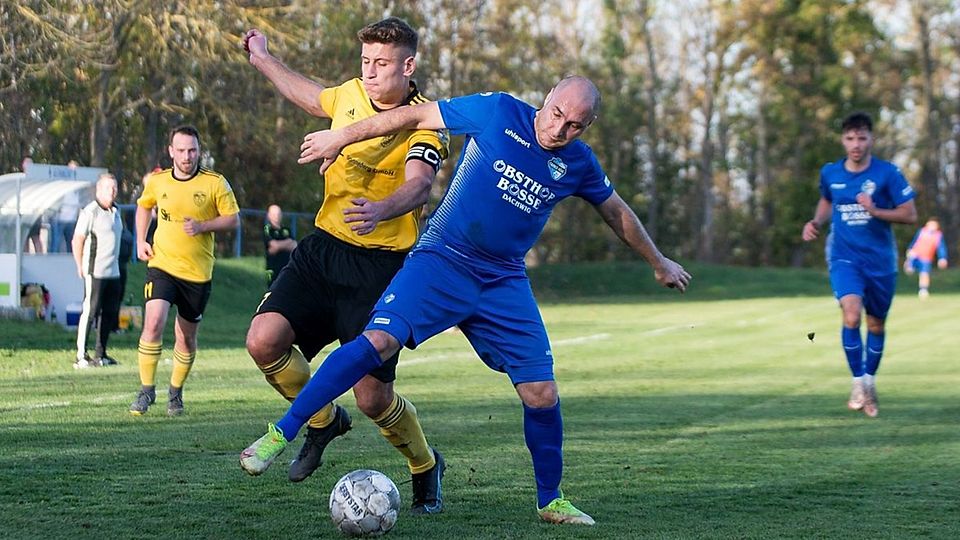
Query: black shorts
190,298
327,292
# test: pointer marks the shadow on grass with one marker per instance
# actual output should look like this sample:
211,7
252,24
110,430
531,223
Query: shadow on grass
702,465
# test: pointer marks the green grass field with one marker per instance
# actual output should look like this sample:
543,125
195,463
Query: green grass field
704,416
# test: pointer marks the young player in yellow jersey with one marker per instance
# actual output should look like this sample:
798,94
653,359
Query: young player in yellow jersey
192,204
368,221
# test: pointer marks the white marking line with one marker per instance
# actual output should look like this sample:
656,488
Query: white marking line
470,354
97,400
581,339
50,405
779,314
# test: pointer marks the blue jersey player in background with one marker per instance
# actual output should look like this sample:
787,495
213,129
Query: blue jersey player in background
862,195
467,268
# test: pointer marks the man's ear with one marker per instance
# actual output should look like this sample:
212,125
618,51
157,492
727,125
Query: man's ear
409,66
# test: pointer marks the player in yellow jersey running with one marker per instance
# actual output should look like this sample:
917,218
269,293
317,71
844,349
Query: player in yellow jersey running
368,221
192,204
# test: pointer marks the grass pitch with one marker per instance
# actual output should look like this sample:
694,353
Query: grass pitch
705,416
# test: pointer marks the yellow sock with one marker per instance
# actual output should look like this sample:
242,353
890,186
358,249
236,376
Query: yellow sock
399,425
288,375
182,363
322,418
148,356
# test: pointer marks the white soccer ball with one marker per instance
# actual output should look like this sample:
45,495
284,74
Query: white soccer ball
364,503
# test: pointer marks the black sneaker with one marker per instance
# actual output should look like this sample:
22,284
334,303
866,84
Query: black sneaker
427,488
174,401
145,399
107,361
317,439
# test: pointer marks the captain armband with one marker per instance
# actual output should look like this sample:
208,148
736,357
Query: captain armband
426,153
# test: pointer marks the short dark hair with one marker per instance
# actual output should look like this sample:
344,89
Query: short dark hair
186,129
857,120
390,30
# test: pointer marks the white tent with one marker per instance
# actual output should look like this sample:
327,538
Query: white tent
26,197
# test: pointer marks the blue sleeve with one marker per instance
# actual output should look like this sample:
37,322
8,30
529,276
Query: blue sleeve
596,187
942,249
469,115
900,190
824,187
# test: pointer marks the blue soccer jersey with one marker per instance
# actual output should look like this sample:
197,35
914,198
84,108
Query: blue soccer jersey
856,237
506,185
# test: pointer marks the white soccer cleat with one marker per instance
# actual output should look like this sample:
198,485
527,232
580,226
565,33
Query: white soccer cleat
858,396
870,402
258,456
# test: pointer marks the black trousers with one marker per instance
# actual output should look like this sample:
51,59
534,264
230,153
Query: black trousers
101,304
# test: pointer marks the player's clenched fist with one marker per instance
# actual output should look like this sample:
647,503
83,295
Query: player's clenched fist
255,43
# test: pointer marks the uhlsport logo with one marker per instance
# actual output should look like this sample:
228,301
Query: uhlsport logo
513,135
520,189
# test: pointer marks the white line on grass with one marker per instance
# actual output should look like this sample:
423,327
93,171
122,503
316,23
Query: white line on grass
426,359
34,406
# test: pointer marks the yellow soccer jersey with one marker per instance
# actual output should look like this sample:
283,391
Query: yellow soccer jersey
371,169
204,196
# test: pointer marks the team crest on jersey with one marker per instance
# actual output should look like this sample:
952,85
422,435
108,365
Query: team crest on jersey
557,168
868,187
199,198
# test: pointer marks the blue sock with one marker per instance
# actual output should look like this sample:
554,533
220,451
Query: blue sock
874,351
543,431
337,374
853,347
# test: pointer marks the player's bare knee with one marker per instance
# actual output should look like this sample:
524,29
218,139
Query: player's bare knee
150,335
851,320
262,349
874,325
385,344
538,395
373,396
265,341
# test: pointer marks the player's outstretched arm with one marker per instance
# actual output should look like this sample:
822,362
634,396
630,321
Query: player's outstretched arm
624,221
301,91
326,145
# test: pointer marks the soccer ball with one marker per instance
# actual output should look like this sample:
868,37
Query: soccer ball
364,503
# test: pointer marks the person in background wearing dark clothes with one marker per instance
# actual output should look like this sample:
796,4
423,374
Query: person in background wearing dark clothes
277,243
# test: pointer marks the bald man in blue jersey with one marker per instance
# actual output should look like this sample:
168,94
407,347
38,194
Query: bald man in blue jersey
862,195
467,269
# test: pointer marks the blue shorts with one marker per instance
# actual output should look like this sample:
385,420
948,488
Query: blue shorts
876,291
496,312
924,267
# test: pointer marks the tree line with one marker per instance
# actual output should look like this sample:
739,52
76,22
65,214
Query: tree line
716,117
